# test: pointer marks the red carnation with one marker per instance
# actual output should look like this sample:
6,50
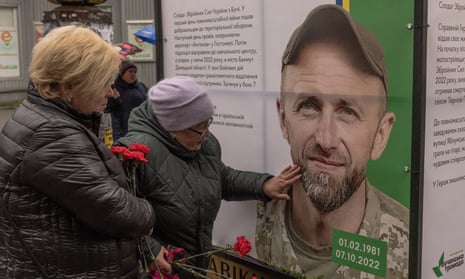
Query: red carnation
242,246
139,156
139,147
128,155
118,149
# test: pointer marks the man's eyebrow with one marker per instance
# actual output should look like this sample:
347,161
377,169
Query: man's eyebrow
335,99
348,98
345,100
306,95
300,95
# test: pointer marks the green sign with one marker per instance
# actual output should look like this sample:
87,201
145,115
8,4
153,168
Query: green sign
359,252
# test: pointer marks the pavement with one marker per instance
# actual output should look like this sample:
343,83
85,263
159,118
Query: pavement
5,114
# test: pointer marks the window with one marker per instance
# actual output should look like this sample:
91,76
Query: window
9,51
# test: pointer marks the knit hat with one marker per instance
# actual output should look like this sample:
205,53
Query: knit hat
332,21
126,65
179,103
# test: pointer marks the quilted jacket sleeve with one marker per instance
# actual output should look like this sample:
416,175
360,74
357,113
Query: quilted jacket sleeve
238,185
243,185
78,172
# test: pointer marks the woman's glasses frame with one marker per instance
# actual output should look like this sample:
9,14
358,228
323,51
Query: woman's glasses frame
204,132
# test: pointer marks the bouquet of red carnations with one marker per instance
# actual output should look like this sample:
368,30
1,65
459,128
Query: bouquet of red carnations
131,158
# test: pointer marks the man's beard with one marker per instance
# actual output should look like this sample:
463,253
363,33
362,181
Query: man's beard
328,193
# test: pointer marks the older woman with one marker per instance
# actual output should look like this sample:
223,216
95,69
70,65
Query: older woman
65,212
185,179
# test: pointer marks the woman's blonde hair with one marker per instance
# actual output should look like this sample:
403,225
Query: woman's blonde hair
75,57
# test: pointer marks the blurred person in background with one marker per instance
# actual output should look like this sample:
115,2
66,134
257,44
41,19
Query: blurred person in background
129,93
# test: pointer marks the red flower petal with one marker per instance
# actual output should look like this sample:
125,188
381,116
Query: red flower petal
139,156
118,149
176,253
139,147
242,246
128,155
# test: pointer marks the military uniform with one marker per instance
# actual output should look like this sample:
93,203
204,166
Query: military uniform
385,219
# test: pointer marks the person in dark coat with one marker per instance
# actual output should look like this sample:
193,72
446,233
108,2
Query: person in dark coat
64,208
129,94
185,178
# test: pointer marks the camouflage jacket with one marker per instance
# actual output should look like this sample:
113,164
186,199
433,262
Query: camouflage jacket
385,219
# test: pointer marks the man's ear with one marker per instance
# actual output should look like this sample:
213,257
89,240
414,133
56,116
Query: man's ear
382,135
282,119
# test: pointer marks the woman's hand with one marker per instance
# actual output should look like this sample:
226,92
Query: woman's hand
161,263
115,94
277,187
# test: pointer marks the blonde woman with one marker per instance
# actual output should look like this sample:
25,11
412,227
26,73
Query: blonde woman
65,212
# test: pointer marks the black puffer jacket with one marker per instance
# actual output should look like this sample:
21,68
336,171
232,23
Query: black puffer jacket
66,193
186,187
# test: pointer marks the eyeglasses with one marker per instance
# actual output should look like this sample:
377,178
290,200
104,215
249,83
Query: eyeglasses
204,132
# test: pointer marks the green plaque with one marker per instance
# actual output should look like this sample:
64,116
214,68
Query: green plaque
359,252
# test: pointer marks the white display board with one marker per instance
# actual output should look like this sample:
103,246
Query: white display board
234,49
443,247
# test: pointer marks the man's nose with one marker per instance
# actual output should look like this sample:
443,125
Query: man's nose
327,134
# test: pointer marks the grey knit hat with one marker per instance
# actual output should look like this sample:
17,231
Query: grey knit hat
179,103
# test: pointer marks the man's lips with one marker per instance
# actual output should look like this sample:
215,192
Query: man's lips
325,164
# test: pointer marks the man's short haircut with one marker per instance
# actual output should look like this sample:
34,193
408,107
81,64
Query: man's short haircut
332,22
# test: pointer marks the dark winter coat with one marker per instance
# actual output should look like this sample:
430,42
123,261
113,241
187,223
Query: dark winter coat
66,193
186,187
131,95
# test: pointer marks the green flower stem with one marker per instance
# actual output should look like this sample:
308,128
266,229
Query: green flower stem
197,271
208,253
152,256
145,267
132,178
143,243
131,169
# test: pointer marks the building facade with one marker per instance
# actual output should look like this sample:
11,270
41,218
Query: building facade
22,25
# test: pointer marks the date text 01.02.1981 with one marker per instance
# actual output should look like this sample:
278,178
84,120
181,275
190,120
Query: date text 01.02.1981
359,252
